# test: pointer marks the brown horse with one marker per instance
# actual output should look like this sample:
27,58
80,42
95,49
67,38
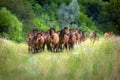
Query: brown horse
108,35
83,36
29,41
77,36
93,36
72,39
63,38
40,41
54,39
47,39
32,41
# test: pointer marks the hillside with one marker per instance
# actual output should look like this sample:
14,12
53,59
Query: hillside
88,61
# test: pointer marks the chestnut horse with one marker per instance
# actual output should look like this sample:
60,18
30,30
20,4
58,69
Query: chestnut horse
77,36
29,41
72,39
54,39
40,41
32,41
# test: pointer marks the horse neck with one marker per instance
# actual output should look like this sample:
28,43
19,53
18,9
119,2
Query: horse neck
50,32
71,35
62,33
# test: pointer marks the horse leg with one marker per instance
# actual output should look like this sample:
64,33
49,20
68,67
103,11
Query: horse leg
39,48
69,46
28,48
43,47
35,49
48,47
56,48
66,46
60,47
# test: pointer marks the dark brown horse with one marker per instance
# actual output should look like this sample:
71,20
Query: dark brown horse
72,39
93,36
83,36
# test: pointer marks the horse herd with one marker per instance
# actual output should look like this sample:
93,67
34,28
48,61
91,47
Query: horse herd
57,41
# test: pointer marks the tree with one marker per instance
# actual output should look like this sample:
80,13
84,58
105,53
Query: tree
10,26
110,18
114,15
68,14
23,10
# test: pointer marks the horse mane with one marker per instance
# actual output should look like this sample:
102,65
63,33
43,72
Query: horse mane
62,32
51,31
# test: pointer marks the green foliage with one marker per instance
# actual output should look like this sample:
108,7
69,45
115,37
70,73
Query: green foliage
10,26
21,8
47,15
114,17
68,14
109,16
40,24
93,8
86,24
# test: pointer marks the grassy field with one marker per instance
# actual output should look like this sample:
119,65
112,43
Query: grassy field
88,61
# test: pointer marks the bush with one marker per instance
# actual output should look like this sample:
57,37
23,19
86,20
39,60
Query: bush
40,24
10,26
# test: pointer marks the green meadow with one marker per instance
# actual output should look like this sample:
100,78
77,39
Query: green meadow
87,61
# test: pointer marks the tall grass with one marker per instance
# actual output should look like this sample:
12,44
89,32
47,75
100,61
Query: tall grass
87,61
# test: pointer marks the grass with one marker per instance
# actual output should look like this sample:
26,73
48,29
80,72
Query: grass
88,61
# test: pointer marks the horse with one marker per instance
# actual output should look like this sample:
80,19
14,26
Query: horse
83,36
54,39
108,35
47,40
72,39
93,36
77,35
32,41
29,41
63,39
40,41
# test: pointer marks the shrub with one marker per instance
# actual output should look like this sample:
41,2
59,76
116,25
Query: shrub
10,26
